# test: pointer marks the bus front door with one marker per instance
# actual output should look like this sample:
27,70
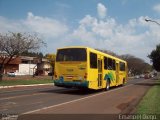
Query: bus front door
117,73
99,72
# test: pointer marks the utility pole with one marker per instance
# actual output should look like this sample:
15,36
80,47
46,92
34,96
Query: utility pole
148,20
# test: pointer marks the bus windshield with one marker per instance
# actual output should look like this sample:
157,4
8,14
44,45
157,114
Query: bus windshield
71,54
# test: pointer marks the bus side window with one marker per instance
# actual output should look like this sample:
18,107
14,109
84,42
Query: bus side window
114,65
109,66
122,66
105,63
93,60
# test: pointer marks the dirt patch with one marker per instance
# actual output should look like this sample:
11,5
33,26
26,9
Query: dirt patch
123,106
128,107
139,92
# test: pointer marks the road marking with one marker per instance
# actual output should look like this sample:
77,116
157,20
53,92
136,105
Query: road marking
76,100
19,96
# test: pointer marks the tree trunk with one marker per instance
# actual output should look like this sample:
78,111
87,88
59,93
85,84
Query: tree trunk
158,75
1,76
1,72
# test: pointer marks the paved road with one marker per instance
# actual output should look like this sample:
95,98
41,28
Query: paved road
40,99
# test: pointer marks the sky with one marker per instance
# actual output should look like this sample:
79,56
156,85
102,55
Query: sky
115,25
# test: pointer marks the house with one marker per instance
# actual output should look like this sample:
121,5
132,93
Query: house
13,65
43,67
25,65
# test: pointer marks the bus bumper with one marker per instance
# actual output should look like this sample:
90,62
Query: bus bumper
59,83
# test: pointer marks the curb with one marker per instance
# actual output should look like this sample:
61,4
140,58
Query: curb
16,86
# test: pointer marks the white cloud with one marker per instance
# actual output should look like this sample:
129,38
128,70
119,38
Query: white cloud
7,25
157,8
136,37
45,26
51,30
102,10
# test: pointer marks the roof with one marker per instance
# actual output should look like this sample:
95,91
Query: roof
13,61
27,58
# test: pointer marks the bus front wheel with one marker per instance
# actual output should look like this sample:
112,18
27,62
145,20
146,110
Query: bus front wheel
123,82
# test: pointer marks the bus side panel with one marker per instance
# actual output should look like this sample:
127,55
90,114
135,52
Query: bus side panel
111,76
113,79
121,77
92,77
126,73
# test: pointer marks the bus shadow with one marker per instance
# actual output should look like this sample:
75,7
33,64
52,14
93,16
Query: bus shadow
76,91
73,91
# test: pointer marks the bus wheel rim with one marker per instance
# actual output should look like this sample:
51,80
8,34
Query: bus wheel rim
107,86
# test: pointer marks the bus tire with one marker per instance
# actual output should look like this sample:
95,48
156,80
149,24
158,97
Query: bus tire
107,85
123,82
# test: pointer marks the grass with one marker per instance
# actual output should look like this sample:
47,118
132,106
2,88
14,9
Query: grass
150,103
25,81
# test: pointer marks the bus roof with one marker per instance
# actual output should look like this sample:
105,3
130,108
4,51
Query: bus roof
94,50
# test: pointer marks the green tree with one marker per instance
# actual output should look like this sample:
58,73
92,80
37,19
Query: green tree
136,65
33,54
155,58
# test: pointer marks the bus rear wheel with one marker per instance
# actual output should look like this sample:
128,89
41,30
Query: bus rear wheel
107,86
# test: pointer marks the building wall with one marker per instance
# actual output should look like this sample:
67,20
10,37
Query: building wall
10,68
25,65
43,68
47,68
27,69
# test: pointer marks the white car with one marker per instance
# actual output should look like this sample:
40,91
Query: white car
11,74
141,76
137,77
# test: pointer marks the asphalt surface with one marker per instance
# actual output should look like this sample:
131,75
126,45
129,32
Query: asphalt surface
52,99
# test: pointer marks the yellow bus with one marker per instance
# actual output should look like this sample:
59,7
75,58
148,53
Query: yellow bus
84,67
